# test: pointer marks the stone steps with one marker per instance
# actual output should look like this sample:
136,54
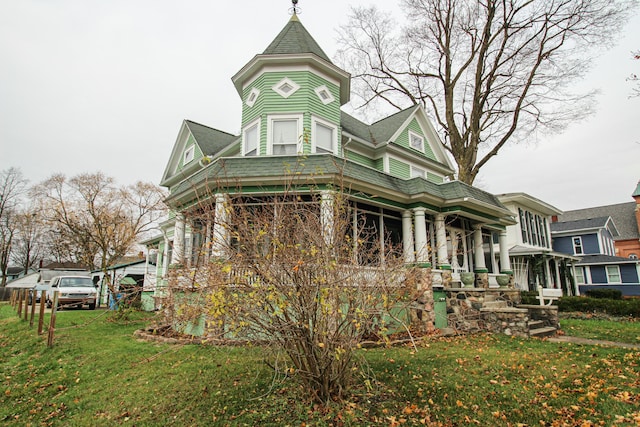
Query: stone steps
547,331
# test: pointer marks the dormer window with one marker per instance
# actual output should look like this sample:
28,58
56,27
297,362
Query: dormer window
286,87
324,94
252,97
189,155
416,141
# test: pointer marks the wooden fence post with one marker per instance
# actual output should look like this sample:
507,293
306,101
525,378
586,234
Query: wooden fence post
52,321
41,318
19,302
33,307
12,298
26,304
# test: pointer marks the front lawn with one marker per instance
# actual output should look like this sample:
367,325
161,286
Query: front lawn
98,374
622,330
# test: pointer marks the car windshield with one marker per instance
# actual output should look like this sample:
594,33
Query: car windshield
67,282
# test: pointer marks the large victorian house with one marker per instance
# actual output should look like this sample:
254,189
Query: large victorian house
395,171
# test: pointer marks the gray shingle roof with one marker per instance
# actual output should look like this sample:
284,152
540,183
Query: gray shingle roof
622,214
230,171
637,192
384,129
294,38
605,259
355,127
378,132
210,140
579,224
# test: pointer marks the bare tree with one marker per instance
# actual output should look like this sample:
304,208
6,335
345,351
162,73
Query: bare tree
28,246
489,72
300,272
12,187
98,219
635,91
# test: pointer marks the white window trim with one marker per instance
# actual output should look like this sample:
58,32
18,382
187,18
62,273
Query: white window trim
315,120
286,80
255,92
189,155
574,245
244,141
584,279
270,120
321,89
617,267
412,133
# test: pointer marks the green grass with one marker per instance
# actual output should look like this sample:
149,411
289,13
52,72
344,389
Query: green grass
97,374
600,329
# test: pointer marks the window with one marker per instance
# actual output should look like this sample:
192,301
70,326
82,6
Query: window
285,87
252,97
324,137
284,135
577,245
324,94
416,141
418,172
613,274
580,276
189,154
523,226
250,139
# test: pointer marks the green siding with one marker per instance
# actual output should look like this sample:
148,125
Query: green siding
403,139
379,164
399,169
196,155
304,101
436,179
359,158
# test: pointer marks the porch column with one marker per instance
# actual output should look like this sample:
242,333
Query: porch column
557,272
441,243
407,237
165,255
505,263
420,230
220,232
547,273
326,216
177,256
478,253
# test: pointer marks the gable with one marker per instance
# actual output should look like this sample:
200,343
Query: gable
414,129
194,142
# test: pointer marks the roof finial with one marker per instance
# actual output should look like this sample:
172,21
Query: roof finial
294,9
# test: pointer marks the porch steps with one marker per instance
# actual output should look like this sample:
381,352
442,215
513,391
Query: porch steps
538,329
495,304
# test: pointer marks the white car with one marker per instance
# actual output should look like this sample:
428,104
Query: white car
73,291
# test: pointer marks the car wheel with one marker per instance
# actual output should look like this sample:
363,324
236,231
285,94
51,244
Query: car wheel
92,306
49,304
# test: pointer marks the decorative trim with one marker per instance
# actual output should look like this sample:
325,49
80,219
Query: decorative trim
445,267
252,97
324,94
189,155
285,87
480,270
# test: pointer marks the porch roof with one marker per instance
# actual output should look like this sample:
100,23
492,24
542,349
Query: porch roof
520,250
237,174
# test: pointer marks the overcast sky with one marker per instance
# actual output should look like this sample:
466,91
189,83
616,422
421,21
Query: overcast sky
89,85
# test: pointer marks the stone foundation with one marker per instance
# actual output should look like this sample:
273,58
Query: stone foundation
480,309
423,313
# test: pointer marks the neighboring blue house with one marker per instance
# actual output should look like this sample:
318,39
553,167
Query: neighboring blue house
592,240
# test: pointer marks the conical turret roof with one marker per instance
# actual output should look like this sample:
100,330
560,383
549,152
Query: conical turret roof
294,39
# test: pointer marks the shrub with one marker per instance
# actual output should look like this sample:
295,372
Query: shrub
604,293
529,297
630,307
